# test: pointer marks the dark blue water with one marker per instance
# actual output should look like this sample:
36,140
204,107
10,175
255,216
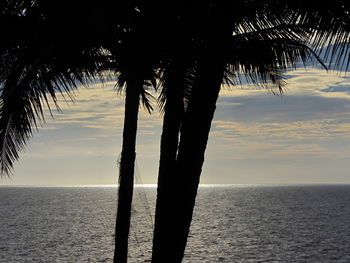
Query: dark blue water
231,224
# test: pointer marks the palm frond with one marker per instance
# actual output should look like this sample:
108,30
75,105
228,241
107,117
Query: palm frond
146,100
328,24
28,82
262,52
177,81
323,27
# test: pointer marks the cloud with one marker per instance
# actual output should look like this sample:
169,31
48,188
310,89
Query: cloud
345,89
90,126
252,129
309,95
305,122
290,108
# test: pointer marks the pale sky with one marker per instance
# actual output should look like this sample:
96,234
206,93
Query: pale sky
256,137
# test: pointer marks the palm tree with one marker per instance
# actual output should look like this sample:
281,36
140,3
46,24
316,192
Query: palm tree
134,89
39,57
263,46
136,81
156,52
43,54
58,64
57,56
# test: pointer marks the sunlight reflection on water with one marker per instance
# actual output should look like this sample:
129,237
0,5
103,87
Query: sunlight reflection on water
231,224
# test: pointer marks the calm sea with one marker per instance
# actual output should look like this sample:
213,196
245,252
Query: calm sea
231,224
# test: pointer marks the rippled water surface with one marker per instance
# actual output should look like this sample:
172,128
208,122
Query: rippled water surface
231,224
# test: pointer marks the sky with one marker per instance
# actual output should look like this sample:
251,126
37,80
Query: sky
256,137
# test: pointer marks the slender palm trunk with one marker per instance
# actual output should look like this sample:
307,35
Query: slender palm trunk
126,173
193,141
183,184
173,114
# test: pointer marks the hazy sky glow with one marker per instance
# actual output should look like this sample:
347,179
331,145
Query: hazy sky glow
256,137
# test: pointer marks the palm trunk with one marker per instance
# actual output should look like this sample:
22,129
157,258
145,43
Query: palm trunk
126,172
193,142
183,185
174,108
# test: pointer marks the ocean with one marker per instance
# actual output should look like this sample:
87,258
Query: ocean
307,223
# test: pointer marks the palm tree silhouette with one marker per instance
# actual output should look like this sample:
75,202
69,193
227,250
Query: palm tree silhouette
136,81
47,48
61,62
268,40
40,56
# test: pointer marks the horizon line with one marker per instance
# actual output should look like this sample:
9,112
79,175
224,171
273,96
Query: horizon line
155,185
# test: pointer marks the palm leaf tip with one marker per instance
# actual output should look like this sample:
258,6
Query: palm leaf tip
146,100
8,152
13,137
17,118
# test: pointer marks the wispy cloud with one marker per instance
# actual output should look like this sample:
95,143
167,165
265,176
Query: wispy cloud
254,132
305,122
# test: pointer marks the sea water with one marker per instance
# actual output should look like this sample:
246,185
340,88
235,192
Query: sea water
230,224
